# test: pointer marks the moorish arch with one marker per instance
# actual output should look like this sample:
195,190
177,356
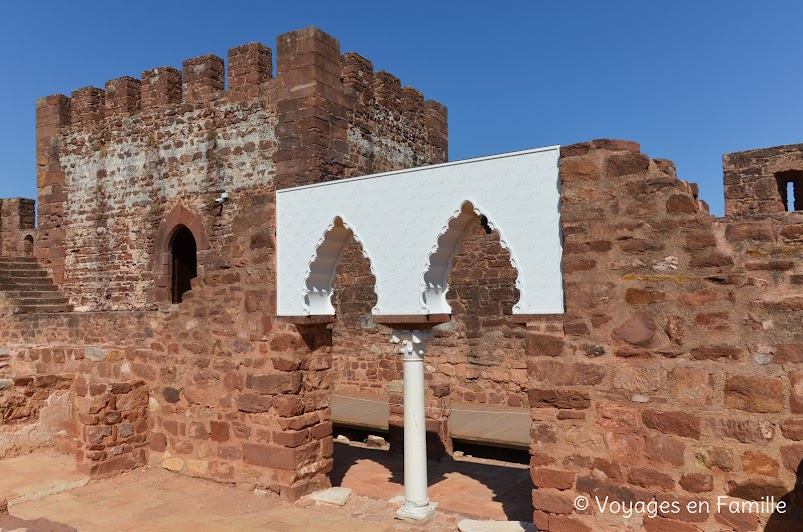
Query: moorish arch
439,264
323,267
180,234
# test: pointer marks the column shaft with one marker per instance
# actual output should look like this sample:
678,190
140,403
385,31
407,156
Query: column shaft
416,499
415,435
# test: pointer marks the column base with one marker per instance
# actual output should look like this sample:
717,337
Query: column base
410,510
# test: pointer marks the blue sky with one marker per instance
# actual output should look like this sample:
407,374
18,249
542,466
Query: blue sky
688,80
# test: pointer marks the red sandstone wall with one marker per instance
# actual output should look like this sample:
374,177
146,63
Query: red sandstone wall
32,411
236,394
389,126
125,172
232,393
675,374
83,364
110,429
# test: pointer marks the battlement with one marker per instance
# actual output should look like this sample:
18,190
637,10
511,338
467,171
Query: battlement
385,89
118,158
247,74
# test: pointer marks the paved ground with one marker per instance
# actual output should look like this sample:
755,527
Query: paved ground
156,499
37,474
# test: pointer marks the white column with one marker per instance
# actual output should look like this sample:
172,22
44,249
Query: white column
416,500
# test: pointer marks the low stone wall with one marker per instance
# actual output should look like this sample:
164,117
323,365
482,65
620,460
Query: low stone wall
110,427
32,411
101,416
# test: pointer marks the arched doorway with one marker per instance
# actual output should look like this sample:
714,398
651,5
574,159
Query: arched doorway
184,261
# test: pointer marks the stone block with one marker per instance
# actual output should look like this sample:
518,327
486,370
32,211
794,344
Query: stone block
679,423
665,449
335,496
754,394
564,399
252,402
552,501
543,345
274,384
758,463
638,330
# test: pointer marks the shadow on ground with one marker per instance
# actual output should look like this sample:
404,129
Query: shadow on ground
479,490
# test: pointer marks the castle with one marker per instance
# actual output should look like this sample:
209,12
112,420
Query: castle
139,317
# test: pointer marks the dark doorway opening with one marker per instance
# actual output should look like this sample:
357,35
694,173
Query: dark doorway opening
184,262
790,188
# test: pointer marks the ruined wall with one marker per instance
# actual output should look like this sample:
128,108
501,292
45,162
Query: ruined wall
110,428
480,353
53,362
113,163
675,374
17,221
99,344
32,411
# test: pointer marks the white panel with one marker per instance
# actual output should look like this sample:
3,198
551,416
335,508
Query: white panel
398,218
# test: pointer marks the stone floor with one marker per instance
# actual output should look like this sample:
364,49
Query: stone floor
38,474
42,485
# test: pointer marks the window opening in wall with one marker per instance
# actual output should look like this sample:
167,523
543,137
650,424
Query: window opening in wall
790,188
184,261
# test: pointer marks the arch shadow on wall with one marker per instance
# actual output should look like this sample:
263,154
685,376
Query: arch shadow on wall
435,283
323,268
161,261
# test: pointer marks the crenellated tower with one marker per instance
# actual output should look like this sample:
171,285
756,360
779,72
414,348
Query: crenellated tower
115,163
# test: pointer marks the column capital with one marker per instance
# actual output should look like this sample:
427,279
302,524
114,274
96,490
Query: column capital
413,342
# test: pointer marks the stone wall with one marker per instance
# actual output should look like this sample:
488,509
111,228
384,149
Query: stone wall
674,376
110,428
77,368
114,163
237,395
231,393
32,411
